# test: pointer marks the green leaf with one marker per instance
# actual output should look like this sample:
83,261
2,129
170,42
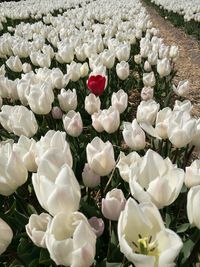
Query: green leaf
183,227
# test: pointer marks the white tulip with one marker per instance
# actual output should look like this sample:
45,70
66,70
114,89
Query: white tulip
119,100
13,172
192,174
144,246
70,240
92,104
14,63
193,200
36,228
19,120
100,156
56,187
149,79
90,178
73,123
96,121
40,97
181,128
154,172
68,99
113,204
182,89
126,163
110,119
133,135
26,149
122,70
147,111
147,93
163,67
6,235
54,148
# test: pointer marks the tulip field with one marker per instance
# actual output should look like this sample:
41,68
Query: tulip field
98,145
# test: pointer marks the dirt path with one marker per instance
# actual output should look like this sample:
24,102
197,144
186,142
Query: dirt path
188,64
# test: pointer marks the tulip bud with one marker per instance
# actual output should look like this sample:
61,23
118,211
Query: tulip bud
122,70
96,121
192,174
119,100
163,67
19,120
90,178
56,113
84,70
100,156
36,228
6,236
138,59
97,225
133,135
149,79
26,67
96,84
113,204
147,66
68,100
147,93
92,104
147,111
182,89
73,123
193,202
13,171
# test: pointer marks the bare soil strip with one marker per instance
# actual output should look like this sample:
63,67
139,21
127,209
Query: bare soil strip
188,64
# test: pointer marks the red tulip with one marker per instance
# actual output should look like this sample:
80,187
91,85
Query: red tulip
96,84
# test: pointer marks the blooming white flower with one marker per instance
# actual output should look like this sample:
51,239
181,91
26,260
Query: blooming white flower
36,228
70,240
144,246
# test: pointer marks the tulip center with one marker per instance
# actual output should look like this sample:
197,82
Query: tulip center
145,246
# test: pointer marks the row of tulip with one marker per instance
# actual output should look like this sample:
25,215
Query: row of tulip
181,13
73,189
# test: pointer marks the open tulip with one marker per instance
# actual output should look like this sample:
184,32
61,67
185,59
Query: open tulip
152,173
150,244
70,240
36,228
